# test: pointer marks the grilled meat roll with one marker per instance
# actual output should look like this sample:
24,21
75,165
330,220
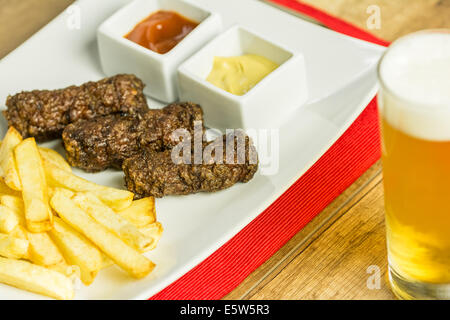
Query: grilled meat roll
44,114
159,174
104,142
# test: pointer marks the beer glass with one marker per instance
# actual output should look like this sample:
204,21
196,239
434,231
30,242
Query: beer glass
414,108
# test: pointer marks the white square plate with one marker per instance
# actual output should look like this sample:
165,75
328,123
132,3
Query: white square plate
341,79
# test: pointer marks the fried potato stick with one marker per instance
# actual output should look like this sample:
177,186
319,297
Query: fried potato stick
8,219
44,252
77,250
154,231
12,202
50,156
30,277
141,212
4,189
13,248
8,169
126,257
15,204
112,221
115,198
38,215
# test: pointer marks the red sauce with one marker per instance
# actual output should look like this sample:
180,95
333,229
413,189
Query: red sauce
161,31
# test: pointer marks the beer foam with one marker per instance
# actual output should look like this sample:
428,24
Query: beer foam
416,72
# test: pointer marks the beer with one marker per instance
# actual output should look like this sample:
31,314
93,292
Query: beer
414,105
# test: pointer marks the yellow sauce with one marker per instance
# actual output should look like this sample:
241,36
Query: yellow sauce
238,75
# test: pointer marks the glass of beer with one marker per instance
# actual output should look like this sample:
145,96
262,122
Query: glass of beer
414,107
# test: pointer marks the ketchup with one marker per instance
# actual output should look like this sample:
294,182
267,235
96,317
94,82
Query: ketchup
161,31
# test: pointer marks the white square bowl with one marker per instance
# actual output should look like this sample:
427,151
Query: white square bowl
266,105
158,71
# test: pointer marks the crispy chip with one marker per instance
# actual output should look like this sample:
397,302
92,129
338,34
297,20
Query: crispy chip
30,277
126,257
38,215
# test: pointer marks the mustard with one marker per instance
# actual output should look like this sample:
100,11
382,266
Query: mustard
238,75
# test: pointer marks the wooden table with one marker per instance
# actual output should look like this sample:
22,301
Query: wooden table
335,255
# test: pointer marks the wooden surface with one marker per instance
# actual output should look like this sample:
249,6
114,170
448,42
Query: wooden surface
334,256
398,17
19,19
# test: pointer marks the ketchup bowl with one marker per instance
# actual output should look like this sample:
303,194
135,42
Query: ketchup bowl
152,38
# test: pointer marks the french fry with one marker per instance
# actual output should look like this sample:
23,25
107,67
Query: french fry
13,248
126,257
154,231
8,167
96,226
112,221
77,250
141,212
38,215
9,219
115,198
44,252
51,157
106,261
20,232
12,202
15,204
4,189
30,277
68,193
